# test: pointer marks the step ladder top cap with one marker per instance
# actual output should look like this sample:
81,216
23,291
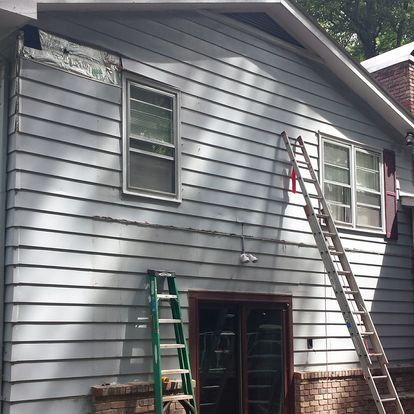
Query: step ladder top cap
160,273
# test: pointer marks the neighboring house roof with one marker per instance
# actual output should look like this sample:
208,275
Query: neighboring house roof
285,13
398,55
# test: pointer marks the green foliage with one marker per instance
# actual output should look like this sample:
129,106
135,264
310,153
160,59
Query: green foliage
365,28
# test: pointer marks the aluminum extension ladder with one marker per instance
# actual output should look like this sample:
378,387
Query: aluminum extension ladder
358,320
187,397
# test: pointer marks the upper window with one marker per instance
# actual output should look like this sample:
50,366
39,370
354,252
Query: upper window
151,158
353,185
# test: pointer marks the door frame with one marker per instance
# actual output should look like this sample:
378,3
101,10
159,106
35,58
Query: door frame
197,296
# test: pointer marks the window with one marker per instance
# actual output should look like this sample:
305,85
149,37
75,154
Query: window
151,135
353,185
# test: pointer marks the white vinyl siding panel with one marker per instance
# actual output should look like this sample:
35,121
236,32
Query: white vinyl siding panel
77,250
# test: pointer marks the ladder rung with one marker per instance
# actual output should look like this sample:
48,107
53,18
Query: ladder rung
315,196
175,371
375,354
322,216
343,272
328,234
367,333
177,397
378,377
169,320
359,312
302,162
172,346
351,292
166,296
389,399
336,252
309,180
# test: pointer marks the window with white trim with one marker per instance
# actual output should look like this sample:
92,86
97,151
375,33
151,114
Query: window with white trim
151,140
353,184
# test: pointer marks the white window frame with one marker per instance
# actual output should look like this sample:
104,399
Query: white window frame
162,89
353,148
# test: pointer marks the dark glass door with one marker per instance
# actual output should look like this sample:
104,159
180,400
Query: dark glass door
264,360
219,354
241,358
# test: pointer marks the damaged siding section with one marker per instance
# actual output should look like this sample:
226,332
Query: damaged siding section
72,57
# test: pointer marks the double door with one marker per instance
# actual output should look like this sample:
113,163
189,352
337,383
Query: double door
242,354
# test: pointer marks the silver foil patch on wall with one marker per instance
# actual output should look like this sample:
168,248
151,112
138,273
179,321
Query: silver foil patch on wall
75,58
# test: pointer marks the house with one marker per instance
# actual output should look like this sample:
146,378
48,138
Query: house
146,135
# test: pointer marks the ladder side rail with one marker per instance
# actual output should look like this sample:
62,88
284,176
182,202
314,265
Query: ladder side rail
344,305
392,389
374,391
155,333
184,359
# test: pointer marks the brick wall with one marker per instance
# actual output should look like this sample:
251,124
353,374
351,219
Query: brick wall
131,398
343,392
398,80
332,392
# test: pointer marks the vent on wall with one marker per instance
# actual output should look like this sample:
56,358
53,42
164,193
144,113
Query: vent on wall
264,23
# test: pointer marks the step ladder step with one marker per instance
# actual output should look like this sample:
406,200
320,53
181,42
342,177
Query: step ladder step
177,397
160,273
172,346
169,320
175,371
166,296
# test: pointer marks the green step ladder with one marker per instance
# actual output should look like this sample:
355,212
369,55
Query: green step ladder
187,398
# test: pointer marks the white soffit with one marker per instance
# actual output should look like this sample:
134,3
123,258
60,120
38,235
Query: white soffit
392,57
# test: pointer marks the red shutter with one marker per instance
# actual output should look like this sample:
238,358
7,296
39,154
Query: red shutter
390,187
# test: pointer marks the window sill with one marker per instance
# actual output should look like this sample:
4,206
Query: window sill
362,230
151,197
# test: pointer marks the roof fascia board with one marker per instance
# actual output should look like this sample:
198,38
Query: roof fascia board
338,61
109,5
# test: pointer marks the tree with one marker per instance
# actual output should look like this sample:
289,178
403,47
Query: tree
365,27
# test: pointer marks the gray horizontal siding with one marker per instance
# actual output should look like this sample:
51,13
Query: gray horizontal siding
77,250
